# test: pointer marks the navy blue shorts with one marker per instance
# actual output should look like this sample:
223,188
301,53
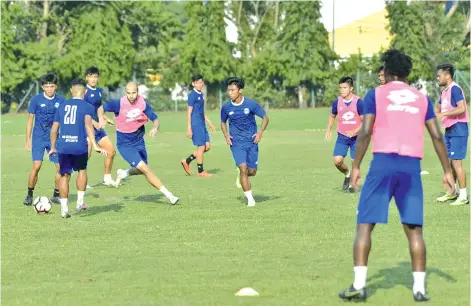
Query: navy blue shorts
100,134
37,151
457,147
381,186
245,153
342,145
200,135
133,155
71,162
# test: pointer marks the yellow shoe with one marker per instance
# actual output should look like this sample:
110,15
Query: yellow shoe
447,197
460,202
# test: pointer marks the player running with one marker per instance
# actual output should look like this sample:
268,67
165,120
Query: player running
197,131
131,114
94,97
349,108
243,137
452,111
74,118
42,110
395,115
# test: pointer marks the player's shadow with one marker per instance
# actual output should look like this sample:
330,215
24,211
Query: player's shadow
214,171
95,210
259,198
73,197
399,275
147,198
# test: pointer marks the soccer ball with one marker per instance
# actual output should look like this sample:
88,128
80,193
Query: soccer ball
42,205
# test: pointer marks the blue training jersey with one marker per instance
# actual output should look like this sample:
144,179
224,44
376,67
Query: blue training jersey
133,139
94,97
459,128
196,100
71,118
388,161
242,124
44,111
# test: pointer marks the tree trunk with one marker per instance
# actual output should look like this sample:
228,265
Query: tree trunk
301,101
46,12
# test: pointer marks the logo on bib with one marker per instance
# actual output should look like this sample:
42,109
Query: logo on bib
133,115
401,97
348,116
246,111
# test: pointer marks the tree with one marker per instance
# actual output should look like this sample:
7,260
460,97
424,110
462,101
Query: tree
304,47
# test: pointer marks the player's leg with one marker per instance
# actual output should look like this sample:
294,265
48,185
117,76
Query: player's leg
340,151
90,150
447,196
353,149
409,200
144,169
106,144
373,208
37,155
65,170
80,165
55,159
459,148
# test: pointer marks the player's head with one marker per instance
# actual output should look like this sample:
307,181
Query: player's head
445,74
197,82
380,72
78,88
346,86
49,83
234,87
397,65
92,75
131,91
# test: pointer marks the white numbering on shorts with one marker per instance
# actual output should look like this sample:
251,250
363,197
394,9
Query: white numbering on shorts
70,114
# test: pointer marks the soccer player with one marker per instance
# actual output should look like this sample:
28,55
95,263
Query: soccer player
42,109
452,111
243,137
197,131
349,108
74,118
131,114
395,115
94,97
380,72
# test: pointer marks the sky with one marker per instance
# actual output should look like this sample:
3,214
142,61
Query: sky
346,11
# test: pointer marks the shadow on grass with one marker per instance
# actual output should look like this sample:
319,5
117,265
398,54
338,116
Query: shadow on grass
95,210
259,198
399,275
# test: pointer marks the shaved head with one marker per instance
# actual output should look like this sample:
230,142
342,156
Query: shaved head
131,91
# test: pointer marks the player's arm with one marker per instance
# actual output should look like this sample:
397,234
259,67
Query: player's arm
91,135
112,106
211,125
224,118
154,118
360,112
433,129
53,136
330,123
29,130
368,109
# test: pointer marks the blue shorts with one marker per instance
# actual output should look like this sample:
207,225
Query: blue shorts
383,184
133,155
456,147
343,143
71,162
37,151
100,134
200,135
246,153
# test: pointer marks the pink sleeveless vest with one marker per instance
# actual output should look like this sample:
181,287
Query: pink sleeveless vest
446,105
349,119
131,116
400,120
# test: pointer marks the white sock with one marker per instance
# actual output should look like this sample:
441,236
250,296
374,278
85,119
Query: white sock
107,178
248,195
463,194
164,190
419,282
64,206
348,174
360,277
80,195
126,173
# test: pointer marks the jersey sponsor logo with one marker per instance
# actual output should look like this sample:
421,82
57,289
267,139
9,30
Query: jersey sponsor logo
400,99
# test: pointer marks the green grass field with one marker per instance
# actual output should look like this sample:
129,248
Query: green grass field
294,247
